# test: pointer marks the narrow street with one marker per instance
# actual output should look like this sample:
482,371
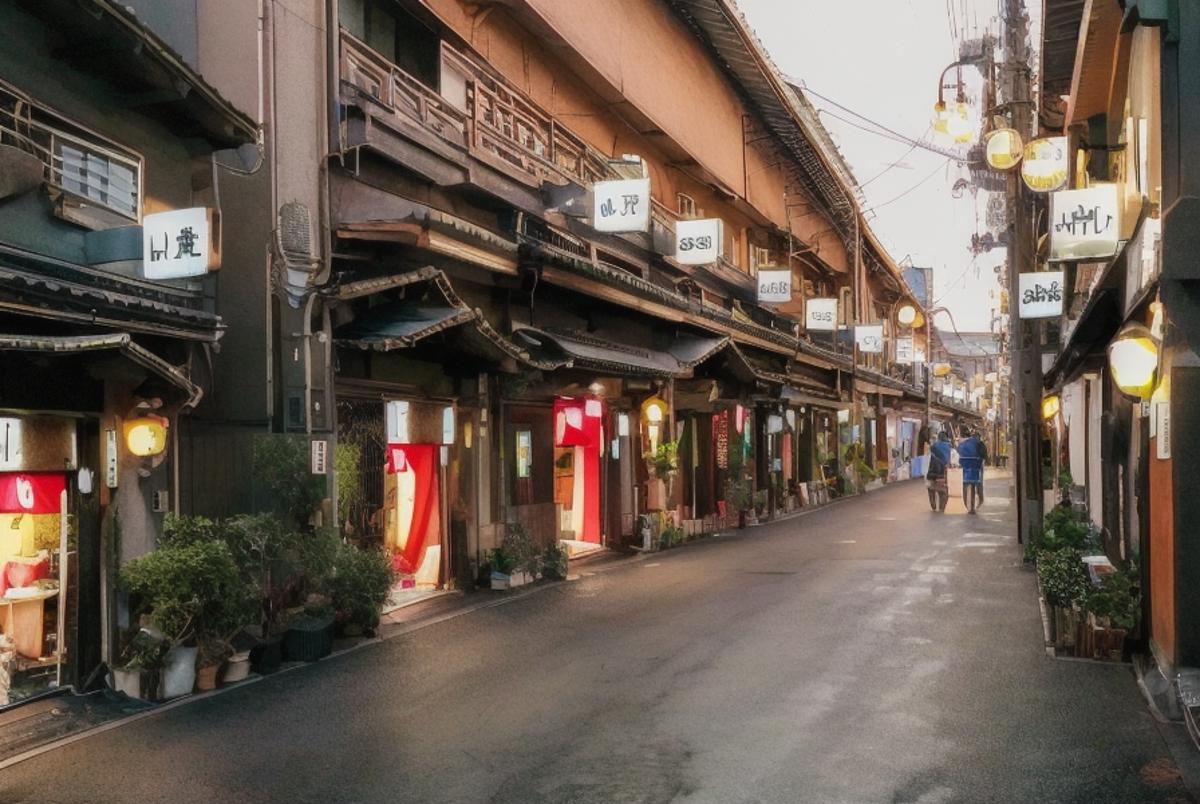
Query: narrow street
869,651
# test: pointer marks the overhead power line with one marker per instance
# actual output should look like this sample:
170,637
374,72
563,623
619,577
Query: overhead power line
885,131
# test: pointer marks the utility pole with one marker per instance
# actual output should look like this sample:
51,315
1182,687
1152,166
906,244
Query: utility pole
1025,356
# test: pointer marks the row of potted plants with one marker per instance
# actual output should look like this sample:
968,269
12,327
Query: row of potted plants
1093,607
518,560
244,591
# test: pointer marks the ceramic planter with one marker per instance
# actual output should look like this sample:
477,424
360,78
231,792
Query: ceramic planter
237,668
179,672
206,678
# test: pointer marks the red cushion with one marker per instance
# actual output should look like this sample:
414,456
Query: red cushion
21,574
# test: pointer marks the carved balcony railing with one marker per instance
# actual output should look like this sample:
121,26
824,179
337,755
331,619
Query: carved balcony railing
499,124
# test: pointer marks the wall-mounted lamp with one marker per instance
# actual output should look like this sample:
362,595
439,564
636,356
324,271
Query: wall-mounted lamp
1133,359
146,436
1051,405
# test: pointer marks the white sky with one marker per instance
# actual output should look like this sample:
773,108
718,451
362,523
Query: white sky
881,59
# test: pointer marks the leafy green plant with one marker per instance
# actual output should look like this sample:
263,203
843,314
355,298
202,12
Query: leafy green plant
671,536
359,584
180,530
346,461
1117,598
665,459
260,543
554,562
144,651
191,591
1063,527
1063,576
281,469
738,494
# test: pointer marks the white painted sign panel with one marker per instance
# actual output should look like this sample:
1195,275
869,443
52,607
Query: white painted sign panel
775,286
1084,224
1041,294
320,457
869,338
180,243
1162,413
621,206
820,315
698,242
904,350
110,458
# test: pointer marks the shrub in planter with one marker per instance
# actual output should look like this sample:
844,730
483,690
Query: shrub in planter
1063,576
142,661
359,584
1117,600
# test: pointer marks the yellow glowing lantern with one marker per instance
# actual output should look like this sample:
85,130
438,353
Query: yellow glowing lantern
1051,405
941,369
1044,164
906,315
1133,359
146,436
1004,148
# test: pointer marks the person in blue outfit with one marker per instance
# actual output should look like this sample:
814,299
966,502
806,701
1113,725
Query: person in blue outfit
972,452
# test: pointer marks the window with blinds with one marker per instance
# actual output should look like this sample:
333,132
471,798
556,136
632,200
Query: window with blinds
101,177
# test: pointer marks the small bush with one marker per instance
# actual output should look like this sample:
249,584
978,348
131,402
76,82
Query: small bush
1117,599
359,584
1064,578
554,562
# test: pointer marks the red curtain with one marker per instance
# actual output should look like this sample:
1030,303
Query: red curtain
31,493
422,461
577,423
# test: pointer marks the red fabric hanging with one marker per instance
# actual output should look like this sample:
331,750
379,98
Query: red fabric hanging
577,423
422,461
31,492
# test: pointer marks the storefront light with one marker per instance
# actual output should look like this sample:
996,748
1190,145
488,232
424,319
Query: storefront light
1004,149
906,315
1133,359
1051,405
146,436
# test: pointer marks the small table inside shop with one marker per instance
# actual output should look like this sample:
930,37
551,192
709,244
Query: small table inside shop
23,619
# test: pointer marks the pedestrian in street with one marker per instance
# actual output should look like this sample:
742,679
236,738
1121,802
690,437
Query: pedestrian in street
972,452
935,475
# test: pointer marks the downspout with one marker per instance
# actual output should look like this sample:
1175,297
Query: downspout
268,22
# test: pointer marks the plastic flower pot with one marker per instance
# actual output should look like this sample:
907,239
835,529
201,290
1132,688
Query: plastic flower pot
308,639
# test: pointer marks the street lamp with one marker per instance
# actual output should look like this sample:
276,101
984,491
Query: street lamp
953,120
1133,359
1051,405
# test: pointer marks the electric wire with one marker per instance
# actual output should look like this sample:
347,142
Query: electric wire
928,176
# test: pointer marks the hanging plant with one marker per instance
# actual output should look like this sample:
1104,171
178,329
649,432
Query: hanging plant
665,459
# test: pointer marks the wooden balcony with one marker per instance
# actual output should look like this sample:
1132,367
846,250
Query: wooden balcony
499,125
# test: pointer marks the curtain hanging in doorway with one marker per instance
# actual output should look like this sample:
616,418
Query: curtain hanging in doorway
421,462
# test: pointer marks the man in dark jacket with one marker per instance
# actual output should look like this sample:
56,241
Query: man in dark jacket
972,452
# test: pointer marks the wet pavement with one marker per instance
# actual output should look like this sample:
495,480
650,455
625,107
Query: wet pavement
870,651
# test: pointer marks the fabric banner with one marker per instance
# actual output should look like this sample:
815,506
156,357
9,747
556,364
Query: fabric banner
577,423
421,462
31,493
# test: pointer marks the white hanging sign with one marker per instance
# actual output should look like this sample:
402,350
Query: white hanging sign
904,350
1044,168
775,286
1085,224
1041,294
698,242
820,315
1162,415
869,338
621,206
180,243
320,457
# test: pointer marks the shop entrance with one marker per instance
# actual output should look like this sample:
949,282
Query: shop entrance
578,433
37,567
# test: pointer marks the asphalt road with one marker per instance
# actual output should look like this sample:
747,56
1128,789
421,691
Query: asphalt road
871,651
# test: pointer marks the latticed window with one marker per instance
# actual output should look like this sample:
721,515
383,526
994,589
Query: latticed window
101,177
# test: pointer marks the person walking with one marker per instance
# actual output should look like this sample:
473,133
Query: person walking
972,452
935,475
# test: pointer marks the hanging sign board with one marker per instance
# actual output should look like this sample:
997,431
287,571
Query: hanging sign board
723,440
820,315
621,206
1084,224
775,286
698,242
1162,416
904,350
320,457
1044,166
869,338
180,243
39,493
1041,294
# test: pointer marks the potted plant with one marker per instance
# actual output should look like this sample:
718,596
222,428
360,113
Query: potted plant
262,547
517,561
738,496
141,666
554,562
358,586
310,634
191,593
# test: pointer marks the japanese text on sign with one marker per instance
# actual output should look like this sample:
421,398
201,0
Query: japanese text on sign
820,315
1084,224
1041,294
698,242
622,206
722,421
178,244
774,286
